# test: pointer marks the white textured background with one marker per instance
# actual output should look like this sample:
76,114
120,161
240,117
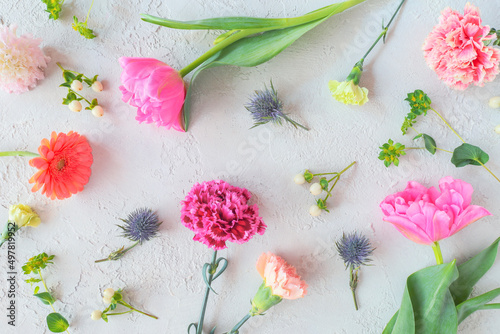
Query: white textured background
141,165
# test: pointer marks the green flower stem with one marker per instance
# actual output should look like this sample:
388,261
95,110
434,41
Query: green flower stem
18,154
239,324
345,169
353,277
489,170
47,290
313,16
212,270
383,33
130,311
423,148
325,174
448,124
121,302
337,177
71,90
120,252
92,4
437,252
75,72
490,307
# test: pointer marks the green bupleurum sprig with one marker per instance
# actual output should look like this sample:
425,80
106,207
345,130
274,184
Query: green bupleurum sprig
55,321
463,155
82,27
54,7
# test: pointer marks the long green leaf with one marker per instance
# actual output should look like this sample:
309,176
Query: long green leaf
475,304
243,22
471,272
427,306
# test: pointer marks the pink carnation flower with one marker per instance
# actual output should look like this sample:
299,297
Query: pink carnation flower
281,277
426,215
456,52
156,89
218,212
21,61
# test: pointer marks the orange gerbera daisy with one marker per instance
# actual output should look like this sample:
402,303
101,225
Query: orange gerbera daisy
64,165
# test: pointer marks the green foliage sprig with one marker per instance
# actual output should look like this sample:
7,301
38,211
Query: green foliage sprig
55,321
54,7
463,155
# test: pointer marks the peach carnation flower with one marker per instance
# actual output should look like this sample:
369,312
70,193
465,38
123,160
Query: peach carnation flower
455,49
64,165
21,61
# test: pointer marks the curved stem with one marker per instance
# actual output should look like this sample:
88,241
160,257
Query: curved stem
80,96
235,329
384,31
212,269
437,252
18,154
121,302
489,170
448,124
92,4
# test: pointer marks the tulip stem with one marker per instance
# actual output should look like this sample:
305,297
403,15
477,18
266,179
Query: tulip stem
18,154
437,252
239,324
383,33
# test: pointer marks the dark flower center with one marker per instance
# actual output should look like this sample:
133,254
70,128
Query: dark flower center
60,164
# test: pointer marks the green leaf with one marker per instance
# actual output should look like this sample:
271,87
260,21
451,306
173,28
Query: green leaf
57,323
324,183
82,28
430,143
389,328
36,290
104,317
467,154
471,272
242,22
427,305
418,136
66,84
68,77
475,304
45,297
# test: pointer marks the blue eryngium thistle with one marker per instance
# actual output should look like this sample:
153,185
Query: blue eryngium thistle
355,249
140,226
265,106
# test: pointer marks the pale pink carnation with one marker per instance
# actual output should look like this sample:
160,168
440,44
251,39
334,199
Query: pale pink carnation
281,277
21,61
426,215
455,49
218,212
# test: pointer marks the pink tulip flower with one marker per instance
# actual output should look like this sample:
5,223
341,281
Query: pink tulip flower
156,89
426,216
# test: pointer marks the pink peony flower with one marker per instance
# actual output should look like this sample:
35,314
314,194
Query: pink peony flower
456,52
156,89
21,61
218,212
281,277
426,215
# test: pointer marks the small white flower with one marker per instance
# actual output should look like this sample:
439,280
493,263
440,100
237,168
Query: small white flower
96,315
314,210
299,179
97,111
316,189
76,85
106,300
495,102
97,86
108,293
497,129
75,106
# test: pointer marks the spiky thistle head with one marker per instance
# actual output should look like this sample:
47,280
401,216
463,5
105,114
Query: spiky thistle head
140,225
265,106
355,249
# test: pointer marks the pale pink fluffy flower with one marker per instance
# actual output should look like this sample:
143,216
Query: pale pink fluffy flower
218,212
21,61
281,277
456,52
426,215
